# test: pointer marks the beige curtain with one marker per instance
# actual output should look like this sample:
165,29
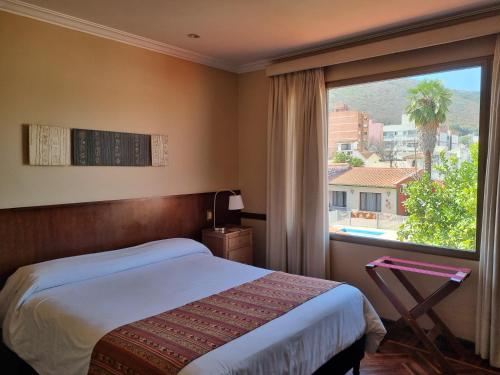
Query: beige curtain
488,300
297,221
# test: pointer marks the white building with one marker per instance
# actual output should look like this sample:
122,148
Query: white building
401,144
403,138
370,189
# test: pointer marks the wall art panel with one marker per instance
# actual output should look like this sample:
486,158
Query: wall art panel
95,147
159,150
49,145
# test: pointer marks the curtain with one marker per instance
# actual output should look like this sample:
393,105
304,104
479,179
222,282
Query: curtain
339,198
297,203
370,202
488,299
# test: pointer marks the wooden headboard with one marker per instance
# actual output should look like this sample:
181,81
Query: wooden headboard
35,234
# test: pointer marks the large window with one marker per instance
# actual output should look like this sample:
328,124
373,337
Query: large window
413,174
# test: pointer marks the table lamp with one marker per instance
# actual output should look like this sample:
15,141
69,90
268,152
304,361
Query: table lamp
235,203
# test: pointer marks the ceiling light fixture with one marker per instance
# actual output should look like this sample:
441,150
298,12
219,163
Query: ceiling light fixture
193,36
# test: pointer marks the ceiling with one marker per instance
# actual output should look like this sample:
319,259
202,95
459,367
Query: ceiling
240,33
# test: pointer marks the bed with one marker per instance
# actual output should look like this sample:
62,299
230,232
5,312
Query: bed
53,313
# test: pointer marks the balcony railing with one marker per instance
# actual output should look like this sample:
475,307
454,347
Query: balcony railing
354,218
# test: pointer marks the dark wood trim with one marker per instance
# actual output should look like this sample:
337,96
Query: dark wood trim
35,234
253,215
401,73
416,58
484,129
393,32
406,246
104,202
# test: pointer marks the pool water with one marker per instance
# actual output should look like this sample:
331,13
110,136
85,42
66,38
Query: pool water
362,232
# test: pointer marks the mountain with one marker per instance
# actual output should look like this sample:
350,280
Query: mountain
384,101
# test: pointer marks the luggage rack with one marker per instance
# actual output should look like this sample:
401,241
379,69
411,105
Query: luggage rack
455,277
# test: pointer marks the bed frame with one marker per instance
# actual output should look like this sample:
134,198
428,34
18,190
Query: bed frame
36,234
348,359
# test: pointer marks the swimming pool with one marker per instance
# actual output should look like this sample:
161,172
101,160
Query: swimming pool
362,232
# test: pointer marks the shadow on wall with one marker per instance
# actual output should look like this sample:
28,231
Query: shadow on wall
25,143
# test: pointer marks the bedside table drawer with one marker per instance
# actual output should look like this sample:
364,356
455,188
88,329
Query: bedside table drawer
239,241
235,243
242,255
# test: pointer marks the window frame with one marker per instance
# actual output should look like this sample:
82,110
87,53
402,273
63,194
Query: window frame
485,63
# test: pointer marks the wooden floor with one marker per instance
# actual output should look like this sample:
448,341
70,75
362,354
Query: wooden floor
401,354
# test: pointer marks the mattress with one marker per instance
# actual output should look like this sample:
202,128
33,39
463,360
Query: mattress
53,313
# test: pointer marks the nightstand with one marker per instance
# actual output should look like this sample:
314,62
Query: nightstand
235,243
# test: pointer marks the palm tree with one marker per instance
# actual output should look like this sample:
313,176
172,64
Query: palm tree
427,107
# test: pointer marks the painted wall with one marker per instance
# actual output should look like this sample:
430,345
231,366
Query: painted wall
252,155
56,76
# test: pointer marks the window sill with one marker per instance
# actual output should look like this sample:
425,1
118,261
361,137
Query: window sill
416,248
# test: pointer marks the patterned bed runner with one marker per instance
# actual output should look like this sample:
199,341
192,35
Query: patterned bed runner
165,343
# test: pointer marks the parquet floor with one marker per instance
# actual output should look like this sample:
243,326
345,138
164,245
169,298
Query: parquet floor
401,354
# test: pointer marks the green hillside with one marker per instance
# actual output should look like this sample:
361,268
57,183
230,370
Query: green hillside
385,101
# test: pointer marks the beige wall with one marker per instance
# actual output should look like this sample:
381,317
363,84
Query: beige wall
56,76
252,128
252,124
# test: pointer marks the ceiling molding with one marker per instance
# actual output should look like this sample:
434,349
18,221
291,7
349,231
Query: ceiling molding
60,19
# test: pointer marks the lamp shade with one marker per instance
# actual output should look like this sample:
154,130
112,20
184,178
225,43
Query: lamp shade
235,202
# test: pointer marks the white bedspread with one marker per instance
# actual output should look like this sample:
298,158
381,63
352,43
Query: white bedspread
53,313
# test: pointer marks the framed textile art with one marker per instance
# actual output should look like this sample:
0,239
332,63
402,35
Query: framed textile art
96,147
50,145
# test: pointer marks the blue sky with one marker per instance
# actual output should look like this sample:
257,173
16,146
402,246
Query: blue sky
463,79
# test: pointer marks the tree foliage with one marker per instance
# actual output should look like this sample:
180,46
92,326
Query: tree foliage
343,157
443,213
428,104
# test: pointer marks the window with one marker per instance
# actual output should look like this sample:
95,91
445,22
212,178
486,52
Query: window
339,198
421,179
370,202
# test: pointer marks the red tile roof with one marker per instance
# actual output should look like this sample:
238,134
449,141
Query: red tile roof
378,177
